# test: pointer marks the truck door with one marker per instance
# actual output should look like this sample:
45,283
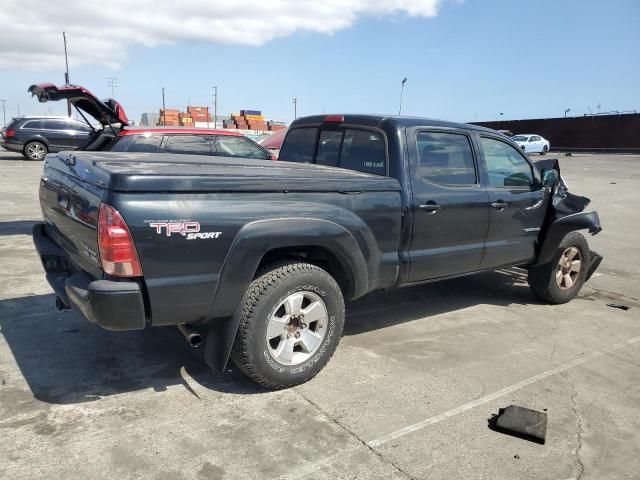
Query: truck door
450,207
518,204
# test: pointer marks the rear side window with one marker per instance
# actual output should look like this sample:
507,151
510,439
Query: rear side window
361,150
445,158
188,144
37,124
299,145
138,143
56,125
239,147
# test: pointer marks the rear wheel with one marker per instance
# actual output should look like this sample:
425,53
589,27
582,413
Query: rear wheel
35,151
560,280
544,151
291,320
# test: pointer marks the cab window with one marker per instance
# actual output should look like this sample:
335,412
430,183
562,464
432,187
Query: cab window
506,166
299,145
353,149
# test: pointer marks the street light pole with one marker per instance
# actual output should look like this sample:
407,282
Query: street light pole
215,107
404,80
66,73
295,107
4,115
567,110
164,112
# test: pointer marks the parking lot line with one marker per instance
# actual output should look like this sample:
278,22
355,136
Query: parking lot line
377,442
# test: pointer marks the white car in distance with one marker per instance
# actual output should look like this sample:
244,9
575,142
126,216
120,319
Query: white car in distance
532,143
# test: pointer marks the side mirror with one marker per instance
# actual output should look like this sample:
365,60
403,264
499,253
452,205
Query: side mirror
550,177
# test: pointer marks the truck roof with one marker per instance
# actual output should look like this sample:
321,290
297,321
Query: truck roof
379,121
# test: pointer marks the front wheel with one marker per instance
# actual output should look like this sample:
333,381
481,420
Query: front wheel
560,280
35,151
291,320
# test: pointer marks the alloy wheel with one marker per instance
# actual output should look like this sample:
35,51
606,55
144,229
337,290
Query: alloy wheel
297,328
568,268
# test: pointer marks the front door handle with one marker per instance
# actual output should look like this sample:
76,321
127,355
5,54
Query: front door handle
499,205
430,207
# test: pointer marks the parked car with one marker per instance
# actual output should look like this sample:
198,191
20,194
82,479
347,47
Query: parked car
259,257
273,143
34,137
115,134
532,143
191,141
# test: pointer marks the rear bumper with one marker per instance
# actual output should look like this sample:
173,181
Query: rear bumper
109,304
12,146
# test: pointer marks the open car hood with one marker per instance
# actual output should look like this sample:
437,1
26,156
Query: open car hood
104,111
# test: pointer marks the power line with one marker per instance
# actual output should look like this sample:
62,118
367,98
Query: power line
113,83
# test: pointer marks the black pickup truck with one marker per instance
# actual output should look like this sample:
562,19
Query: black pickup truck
255,259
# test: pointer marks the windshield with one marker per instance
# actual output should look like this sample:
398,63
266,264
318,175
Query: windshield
520,138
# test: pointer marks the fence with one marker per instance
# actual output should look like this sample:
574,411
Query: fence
612,133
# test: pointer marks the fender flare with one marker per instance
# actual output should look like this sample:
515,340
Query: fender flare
557,230
250,246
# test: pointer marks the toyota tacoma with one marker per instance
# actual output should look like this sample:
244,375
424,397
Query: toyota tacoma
255,260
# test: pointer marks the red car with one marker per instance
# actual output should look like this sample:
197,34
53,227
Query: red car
114,134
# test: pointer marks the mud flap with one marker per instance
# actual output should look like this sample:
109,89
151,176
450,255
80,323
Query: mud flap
219,342
594,263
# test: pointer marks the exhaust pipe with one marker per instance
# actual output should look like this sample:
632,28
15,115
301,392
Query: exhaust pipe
193,338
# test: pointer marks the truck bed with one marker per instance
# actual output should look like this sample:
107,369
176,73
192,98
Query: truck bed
150,172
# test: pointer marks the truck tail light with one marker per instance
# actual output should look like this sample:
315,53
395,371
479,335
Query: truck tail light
334,119
10,132
117,250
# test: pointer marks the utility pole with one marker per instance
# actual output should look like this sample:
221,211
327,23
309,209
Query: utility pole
295,107
113,83
215,107
404,80
66,72
164,113
4,115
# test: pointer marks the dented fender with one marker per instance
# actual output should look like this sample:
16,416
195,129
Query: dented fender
557,229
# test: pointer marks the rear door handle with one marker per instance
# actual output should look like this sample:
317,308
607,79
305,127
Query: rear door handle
499,205
430,207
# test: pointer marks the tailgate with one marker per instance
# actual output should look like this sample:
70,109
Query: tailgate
70,197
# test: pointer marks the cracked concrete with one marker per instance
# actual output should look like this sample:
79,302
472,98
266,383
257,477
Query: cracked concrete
80,402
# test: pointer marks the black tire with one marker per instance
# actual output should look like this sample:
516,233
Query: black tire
31,148
544,151
269,289
542,279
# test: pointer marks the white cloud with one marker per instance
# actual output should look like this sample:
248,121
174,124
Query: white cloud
100,32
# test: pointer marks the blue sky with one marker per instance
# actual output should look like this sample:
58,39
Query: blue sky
471,62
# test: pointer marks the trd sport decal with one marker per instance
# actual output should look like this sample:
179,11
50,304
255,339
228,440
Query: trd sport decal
188,229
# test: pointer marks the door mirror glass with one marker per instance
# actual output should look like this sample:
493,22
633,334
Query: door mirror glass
550,177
